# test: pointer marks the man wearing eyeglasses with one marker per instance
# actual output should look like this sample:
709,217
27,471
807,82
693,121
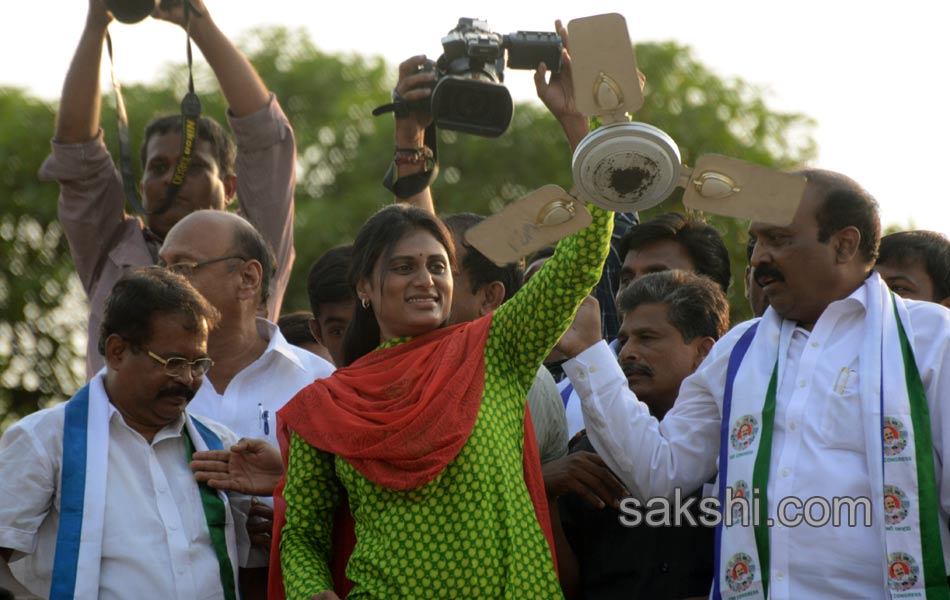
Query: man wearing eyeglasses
97,499
256,371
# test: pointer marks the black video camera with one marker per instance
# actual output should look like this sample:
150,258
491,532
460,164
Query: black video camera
468,94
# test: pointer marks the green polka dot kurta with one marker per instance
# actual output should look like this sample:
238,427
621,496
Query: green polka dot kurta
472,531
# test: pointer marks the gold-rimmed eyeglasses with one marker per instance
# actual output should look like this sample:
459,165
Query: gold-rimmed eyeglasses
176,365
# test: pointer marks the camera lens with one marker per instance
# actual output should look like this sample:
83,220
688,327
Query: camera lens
471,106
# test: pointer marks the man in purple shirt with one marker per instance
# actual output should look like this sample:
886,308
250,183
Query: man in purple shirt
103,238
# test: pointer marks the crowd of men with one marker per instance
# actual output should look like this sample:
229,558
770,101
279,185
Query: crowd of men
833,391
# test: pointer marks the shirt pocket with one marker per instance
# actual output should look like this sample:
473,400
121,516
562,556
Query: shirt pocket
842,423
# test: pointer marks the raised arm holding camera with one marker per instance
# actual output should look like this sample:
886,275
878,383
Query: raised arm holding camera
103,239
414,164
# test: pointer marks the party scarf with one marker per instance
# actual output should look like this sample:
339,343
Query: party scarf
896,424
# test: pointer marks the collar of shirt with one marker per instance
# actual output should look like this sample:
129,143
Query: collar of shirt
97,388
277,343
856,301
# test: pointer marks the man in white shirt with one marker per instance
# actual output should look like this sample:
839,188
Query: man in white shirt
832,341
97,498
668,241
256,371
669,321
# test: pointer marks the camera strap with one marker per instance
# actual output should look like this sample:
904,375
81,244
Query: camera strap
190,122
410,185
125,144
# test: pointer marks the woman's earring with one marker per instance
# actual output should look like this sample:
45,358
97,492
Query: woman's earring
365,302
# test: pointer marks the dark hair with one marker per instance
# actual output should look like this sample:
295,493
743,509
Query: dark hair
249,243
142,293
374,244
327,281
928,248
845,203
480,270
697,306
296,327
209,130
702,242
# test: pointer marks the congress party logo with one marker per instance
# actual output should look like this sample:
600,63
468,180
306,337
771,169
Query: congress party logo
896,505
744,432
895,436
902,571
740,572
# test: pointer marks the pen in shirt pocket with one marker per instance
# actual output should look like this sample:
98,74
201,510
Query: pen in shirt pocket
263,417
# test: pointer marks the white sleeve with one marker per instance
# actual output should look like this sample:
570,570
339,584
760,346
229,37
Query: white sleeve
29,480
931,345
651,458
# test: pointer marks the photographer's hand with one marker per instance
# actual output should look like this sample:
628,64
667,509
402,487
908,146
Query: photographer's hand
78,117
173,11
98,15
239,81
558,94
414,84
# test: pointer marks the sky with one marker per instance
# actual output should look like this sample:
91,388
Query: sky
872,74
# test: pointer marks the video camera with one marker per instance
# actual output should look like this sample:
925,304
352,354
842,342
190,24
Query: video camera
468,94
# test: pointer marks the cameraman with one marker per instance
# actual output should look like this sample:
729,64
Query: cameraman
103,239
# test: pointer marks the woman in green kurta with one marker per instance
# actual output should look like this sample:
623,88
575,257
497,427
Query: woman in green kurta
471,530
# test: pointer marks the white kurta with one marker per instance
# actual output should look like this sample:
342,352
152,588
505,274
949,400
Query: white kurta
818,445
155,538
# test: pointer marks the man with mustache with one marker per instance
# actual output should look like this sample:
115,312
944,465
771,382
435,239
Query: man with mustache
97,499
669,321
814,382
753,291
668,241
256,371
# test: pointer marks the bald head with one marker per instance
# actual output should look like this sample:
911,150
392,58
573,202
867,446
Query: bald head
219,236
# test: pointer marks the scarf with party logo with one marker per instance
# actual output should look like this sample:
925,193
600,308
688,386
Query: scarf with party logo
896,425
83,498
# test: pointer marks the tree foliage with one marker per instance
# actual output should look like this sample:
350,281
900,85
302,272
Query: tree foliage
343,153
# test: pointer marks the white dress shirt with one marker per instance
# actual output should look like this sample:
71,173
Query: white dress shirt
818,446
572,407
262,387
155,537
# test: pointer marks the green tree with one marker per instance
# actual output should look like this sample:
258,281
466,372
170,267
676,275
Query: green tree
343,153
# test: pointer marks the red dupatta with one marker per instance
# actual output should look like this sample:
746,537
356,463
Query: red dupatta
399,416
